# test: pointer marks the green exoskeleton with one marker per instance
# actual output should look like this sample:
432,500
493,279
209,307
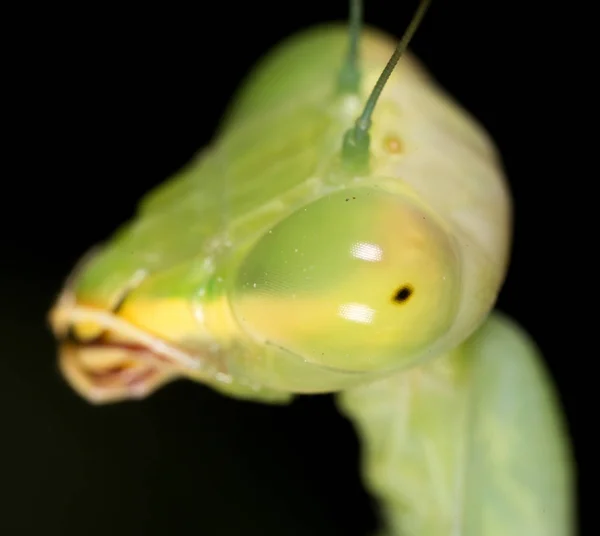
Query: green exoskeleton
340,238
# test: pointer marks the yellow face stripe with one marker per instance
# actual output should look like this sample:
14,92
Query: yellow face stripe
170,319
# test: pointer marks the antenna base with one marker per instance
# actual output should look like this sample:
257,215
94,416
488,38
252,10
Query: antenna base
355,149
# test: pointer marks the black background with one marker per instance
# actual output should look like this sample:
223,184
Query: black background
122,97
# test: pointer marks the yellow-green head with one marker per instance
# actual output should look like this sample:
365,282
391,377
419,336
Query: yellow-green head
303,251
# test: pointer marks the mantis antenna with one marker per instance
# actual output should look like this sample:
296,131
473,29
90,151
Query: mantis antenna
355,148
349,79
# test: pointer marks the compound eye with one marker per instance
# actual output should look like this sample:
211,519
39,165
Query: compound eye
359,280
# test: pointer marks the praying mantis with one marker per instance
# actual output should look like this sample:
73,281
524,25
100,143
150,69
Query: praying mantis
348,230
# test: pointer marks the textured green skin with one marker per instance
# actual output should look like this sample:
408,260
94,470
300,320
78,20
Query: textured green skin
179,216
470,444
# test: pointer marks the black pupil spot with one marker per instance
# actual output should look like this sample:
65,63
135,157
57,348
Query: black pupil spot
403,294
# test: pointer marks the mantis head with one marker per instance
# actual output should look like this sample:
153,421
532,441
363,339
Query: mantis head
350,281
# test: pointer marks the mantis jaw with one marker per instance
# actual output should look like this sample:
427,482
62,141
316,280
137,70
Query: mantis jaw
135,375
107,359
